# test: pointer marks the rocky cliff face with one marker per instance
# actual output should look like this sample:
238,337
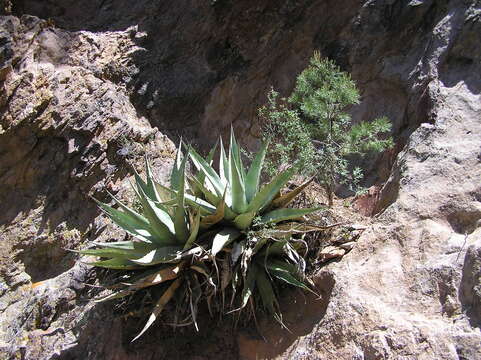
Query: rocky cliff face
83,86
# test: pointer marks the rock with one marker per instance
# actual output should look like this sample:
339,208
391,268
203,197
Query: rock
64,126
226,74
470,288
409,289
367,204
63,129
348,246
330,252
82,93
347,234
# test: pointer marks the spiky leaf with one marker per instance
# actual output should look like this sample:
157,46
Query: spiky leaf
223,238
210,220
269,191
239,203
159,220
266,291
254,173
177,169
194,230
131,222
158,277
224,167
204,207
201,175
164,299
235,155
285,272
180,220
285,199
116,264
278,215
249,284
160,255
210,174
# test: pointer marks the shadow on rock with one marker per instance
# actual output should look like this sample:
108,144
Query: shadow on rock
301,314
470,287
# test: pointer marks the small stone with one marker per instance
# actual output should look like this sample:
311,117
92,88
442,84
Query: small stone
331,252
348,246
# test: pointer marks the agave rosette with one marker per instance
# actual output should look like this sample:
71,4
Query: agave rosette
249,218
211,234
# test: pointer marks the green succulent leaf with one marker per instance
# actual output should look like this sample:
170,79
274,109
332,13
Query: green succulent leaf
160,255
194,230
212,198
224,238
201,175
166,195
269,191
239,203
249,284
159,220
266,292
164,299
254,173
180,218
149,191
117,264
278,215
150,188
139,218
285,199
285,272
277,248
259,244
177,169
128,245
224,168
210,174
235,156
112,253
204,207
131,222
243,221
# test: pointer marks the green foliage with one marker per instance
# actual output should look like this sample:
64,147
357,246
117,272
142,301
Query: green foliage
209,235
316,130
289,136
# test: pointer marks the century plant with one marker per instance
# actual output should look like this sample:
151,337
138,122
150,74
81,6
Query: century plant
211,234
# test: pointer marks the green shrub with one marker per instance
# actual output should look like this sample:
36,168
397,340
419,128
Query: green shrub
210,236
312,126
289,136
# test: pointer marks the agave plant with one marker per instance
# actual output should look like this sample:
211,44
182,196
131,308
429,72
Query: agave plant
249,217
210,234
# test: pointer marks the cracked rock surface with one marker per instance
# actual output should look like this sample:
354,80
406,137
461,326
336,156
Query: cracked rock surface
87,88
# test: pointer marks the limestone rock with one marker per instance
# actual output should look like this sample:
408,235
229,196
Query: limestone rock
67,132
331,252
82,91
409,289
470,289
